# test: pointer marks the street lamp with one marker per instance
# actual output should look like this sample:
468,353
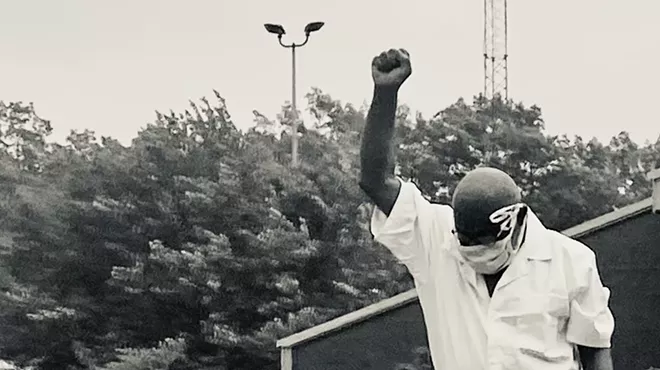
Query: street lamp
279,31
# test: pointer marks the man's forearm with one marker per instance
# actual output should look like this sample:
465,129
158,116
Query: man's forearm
376,153
596,358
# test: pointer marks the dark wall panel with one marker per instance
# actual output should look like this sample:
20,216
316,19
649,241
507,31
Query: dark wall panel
376,344
629,261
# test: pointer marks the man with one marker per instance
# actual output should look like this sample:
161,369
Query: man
498,289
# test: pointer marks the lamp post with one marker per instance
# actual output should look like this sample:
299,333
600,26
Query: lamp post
279,31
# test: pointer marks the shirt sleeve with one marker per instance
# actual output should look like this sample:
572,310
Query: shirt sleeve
407,232
591,323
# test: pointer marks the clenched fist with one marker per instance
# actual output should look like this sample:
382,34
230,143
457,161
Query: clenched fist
391,68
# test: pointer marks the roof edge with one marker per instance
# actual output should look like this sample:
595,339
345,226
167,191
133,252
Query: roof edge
349,319
608,219
402,299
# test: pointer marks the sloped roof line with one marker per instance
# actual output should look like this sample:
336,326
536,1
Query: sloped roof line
409,296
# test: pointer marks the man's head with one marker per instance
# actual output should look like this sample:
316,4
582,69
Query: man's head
480,193
488,217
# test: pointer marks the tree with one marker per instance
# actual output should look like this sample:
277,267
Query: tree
565,181
23,134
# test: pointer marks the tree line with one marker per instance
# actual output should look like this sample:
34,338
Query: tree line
197,246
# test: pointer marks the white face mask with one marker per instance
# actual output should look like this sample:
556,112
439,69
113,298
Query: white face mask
492,258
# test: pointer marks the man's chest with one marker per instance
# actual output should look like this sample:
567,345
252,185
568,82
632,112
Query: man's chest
535,288
534,291
491,282
524,321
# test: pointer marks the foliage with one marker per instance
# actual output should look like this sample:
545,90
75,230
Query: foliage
200,232
167,352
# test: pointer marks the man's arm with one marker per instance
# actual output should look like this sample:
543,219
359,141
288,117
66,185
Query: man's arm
595,358
390,69
591,323
376,154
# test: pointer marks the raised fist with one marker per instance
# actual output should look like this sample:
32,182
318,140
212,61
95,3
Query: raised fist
391,68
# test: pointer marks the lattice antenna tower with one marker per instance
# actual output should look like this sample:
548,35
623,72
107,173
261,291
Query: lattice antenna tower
496,69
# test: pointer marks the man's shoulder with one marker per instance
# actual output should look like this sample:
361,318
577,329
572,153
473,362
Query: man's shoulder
410,190
575,260
569,248
444,213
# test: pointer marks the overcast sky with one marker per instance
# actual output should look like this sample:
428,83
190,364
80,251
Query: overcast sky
593,66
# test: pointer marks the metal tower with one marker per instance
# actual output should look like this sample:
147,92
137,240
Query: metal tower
496,71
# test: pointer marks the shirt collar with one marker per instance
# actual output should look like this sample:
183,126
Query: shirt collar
535,246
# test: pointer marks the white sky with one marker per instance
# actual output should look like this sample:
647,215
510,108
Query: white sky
593,66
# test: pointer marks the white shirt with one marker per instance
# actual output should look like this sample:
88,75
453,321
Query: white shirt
548,301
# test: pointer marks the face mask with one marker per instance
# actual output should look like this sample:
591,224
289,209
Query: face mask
492,258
